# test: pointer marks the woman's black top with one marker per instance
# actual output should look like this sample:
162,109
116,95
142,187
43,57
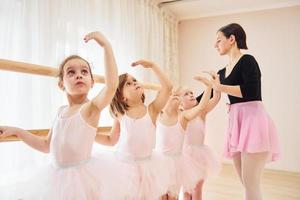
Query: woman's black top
247,75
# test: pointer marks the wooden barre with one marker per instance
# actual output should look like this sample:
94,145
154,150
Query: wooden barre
105,130
28,68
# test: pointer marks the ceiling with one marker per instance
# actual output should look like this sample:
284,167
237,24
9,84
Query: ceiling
189,9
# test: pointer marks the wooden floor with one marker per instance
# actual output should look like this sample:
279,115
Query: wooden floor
276,185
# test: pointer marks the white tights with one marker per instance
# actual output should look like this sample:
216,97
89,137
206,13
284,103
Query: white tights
249,167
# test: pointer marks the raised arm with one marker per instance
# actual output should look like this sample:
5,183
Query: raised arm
216,94
201,107
112,138
39,143
105,96
213,101
163,94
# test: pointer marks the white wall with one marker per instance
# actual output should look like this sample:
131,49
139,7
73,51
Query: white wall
273,38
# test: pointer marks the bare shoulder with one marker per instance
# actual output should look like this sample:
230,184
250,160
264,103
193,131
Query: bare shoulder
90,113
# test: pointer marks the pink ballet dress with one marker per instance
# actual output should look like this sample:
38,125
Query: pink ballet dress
73,173
250,129
148,178
205,158
182,169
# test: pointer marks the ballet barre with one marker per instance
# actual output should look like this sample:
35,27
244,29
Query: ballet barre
28,68
15,66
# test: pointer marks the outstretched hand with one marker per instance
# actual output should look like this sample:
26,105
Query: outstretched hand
144,63
98,37
204,80
6,131
215,79
213,74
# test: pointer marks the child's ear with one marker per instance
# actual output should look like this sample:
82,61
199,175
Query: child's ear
61,85
124,99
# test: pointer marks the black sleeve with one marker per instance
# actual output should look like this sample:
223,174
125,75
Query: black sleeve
251,78
198,98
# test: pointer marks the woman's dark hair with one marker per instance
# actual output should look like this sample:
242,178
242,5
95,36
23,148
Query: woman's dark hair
238,32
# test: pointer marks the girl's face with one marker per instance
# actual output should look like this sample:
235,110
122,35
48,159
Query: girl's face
188,99
223,44
132,90
77,79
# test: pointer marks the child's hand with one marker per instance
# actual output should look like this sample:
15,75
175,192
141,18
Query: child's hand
216,83
98,37
177,90
215,80
6,131
144,63
213,74
204,80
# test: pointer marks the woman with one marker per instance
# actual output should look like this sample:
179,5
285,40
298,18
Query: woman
251,138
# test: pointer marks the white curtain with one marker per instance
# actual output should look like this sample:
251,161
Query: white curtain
46,31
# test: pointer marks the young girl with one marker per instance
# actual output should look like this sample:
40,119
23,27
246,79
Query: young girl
207,161
251,135
134,130
74,174
171,129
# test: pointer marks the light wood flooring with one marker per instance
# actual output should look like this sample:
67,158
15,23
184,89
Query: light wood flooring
276,185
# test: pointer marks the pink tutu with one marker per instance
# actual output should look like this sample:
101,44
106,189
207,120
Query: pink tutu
182,170
147,178
204,160
175,173
97,178
250,129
